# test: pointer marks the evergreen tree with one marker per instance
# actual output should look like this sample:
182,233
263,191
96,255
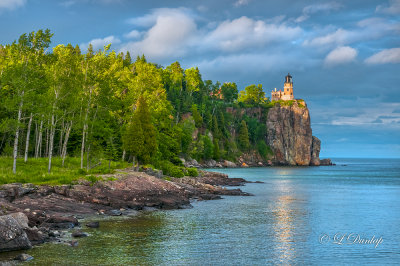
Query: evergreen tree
216,153
148,131
244,143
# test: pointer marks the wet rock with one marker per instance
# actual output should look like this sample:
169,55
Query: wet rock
315,149
54,234
35,236
326,162
61,222
12,234
93,225
23,257
114,212
79,233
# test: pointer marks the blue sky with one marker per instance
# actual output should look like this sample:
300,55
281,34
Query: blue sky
344,56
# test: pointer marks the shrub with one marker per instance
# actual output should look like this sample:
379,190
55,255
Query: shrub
170,169
192,172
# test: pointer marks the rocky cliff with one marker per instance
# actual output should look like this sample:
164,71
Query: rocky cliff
289,134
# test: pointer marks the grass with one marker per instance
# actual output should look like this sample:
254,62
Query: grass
35,171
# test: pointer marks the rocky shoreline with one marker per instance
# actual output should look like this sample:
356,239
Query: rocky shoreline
32,215
245,161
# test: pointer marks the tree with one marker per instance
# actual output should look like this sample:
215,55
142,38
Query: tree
229,92
244,143
216,152
133,138
252,95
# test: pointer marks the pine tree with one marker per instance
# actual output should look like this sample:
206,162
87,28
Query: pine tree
217,154
244,142
148,131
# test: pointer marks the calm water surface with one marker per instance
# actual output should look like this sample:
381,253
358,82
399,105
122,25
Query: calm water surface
282,224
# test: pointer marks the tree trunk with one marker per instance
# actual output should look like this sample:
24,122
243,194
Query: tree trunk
64,149
15,151
60,144
123,155
38,151
83,144
28,133
133,162
51,141
47,140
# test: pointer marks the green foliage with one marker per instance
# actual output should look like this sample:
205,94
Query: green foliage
35,171
170,169
264,150
192,172
243,138
103,106
252,95
229,92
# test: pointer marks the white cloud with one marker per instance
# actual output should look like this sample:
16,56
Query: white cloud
11,4
171,34
385,56
341,55
134,34
151,18
393,8
315,8
100,43
367,29
241,3
241,33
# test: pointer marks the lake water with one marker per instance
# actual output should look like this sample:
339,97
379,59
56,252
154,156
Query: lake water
292,219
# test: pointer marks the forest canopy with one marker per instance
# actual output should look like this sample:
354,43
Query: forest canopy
64,102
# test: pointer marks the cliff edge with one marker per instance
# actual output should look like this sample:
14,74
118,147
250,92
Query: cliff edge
289,134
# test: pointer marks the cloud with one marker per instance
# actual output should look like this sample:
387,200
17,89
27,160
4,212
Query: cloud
11,4
242,3
341,55
134,34
244,32
316,8
384,57
151,18
100,43
367,29
171,34
393,8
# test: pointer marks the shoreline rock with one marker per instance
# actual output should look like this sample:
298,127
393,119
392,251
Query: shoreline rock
36,214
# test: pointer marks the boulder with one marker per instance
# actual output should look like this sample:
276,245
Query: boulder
79,233
12,234
229,164
23,257
210,163
326,162
93,225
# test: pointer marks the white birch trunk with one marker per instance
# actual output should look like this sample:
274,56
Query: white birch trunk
15,151
28,133
64,149
51,141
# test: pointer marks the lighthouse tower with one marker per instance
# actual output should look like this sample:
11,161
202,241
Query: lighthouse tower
288,88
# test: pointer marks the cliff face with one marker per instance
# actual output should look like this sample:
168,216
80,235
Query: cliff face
290,136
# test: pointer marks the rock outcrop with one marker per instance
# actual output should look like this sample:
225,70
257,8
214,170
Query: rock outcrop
290,136
12,233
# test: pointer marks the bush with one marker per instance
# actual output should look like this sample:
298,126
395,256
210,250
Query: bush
170,169
192,172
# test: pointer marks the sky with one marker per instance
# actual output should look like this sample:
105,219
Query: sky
344,56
